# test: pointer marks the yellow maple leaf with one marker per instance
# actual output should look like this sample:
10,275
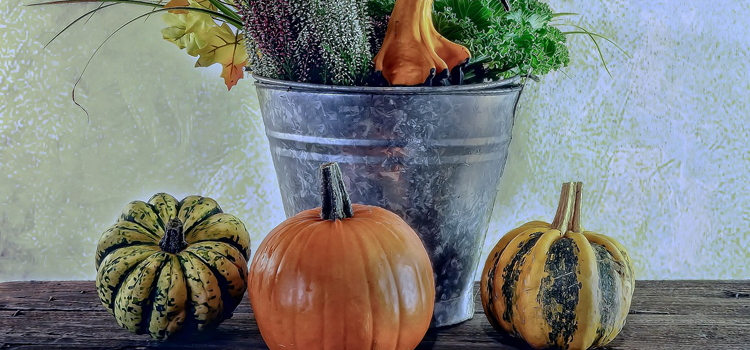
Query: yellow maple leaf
188,30
226,48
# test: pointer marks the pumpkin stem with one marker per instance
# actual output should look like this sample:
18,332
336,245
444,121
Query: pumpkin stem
568,216
174,239
335,202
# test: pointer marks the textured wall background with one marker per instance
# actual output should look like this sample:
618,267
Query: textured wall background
662,147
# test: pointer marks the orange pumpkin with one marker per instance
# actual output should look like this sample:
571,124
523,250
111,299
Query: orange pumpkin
342,276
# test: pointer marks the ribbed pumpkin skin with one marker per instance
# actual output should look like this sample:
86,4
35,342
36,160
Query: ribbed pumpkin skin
152,291
359,283
558,290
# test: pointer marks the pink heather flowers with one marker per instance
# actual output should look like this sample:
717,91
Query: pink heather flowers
314,41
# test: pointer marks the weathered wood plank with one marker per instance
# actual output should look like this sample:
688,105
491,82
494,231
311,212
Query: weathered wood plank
664,315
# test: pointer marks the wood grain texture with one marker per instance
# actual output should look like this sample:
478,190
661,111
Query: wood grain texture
664,315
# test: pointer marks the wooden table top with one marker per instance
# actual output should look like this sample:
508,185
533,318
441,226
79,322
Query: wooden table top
664,315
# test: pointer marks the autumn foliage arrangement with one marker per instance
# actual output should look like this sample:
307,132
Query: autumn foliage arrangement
366,42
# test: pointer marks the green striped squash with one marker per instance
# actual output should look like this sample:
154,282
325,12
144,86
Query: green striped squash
169,265
557,286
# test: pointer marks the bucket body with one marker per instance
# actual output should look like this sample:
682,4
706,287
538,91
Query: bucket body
432,155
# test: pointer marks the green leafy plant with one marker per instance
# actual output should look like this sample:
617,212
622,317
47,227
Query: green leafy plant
503,43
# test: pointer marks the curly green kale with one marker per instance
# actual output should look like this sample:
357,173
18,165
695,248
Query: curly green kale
503,44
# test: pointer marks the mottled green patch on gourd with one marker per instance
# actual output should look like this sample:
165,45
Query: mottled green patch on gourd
143,214
167,313
148,303
133,298
224,228
204,291
559,291
194,209
123,234
115,269
609,303
512,272
216,257
165,206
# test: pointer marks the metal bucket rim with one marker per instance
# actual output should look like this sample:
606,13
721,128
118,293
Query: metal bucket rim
505,85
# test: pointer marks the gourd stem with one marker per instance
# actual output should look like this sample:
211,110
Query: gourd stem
575,225
174,238
568,216
335,202
563,208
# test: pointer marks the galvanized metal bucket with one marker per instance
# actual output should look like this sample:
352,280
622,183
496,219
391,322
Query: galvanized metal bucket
432,155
